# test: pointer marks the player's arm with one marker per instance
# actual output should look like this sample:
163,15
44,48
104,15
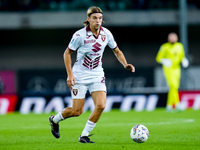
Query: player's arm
160,54
183,59
68,65
120,56
160,58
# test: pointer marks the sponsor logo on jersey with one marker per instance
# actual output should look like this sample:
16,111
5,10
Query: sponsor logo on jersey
96,47
89,41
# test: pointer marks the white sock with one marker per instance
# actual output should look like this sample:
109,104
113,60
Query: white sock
88,128
57,118
169,108
178,106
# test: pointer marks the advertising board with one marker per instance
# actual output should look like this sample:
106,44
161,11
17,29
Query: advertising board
49,103
189,99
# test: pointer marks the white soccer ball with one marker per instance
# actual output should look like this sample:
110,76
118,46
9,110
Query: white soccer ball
139,133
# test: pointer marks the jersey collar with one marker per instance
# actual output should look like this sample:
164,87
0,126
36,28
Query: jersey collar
89,32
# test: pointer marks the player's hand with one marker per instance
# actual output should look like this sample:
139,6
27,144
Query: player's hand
70,81
166,62
185,62
130,67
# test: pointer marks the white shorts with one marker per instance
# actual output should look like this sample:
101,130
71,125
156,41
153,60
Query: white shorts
78,91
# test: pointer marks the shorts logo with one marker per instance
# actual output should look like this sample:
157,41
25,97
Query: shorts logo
103,37
75,91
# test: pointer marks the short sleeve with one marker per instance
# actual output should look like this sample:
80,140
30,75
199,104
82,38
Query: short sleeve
75,42
111,41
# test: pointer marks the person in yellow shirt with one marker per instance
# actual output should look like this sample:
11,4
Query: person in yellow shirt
171,55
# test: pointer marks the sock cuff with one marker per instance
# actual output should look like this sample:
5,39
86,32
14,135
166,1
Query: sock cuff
60,114
57,118
88,128
91,123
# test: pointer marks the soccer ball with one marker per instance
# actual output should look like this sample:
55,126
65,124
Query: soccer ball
139,133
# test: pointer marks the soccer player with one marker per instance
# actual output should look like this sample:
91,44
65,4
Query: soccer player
87,72
171,55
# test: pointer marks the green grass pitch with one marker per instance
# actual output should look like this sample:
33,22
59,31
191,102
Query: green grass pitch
168,131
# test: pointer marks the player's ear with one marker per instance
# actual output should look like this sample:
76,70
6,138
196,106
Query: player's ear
88,18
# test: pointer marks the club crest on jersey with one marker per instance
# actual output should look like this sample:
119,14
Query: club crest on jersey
103,37
75,91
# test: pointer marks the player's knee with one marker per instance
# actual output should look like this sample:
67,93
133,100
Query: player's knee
101,106
173,87
77,113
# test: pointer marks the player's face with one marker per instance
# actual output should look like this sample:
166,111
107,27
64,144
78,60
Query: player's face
95,20
173,38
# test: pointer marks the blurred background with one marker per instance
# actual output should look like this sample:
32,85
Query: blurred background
35,34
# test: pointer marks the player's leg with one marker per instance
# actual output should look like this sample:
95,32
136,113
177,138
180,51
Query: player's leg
99,98
78,92
170,98
74,111
168,73
177,75
169,106
78,95
173,80
98,93
176,98
173,97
